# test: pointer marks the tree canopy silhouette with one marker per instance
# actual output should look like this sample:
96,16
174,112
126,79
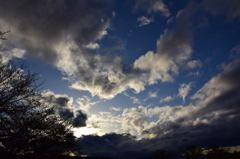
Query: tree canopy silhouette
28,123
193,152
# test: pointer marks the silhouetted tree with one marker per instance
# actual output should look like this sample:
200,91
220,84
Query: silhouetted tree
2,36
162,154
28,124
235,155
217,152
193,152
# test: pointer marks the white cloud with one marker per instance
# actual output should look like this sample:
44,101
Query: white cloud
115,109
194,63
85,103
184,90
11,53
135,100
173,49
92,46
167,99
152,94
159,6
144,21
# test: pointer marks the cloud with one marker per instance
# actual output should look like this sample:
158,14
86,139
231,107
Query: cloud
215,111
105,76
144,21
63,106
85,103
152,94
135,100
6,56
152,6
115,145
210,119
91,46
225,81
173,48
39,27
115,109
62,33
194,63
80,119
184,90
167,99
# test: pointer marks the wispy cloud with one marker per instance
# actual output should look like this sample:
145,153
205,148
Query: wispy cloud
144,21
184,90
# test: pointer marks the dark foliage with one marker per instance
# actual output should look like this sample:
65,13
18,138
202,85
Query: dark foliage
162,154
29,124
218,152
193,152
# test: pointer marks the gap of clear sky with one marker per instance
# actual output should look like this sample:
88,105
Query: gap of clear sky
148,73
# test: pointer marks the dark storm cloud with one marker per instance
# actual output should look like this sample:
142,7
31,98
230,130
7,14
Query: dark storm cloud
114,145
38,26
63,106
213,120
80,119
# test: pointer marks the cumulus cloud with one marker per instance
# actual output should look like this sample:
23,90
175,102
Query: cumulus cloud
62,33
134,117
144,21
173,48
184,90
40,26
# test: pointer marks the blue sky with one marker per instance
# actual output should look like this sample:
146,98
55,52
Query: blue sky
165,72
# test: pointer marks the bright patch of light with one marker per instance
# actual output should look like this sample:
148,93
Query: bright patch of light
78,132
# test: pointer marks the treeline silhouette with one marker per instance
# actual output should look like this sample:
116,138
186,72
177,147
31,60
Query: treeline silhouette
194,152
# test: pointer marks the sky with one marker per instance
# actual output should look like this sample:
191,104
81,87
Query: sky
137,75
